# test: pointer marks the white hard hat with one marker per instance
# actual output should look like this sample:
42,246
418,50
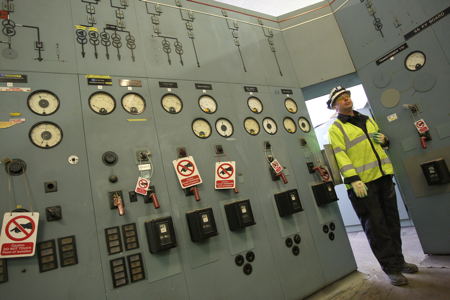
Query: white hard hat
334,94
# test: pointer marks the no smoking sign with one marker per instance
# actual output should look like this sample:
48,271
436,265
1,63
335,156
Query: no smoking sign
225,175
18,235
142,186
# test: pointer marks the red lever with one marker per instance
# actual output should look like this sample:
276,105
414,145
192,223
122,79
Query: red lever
283,177
236,190
194,190
119,204
154,200
423,142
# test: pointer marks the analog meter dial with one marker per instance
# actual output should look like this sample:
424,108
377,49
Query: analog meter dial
251,126
289,125
255,105
304,124
43,102
102,103
133,103
269,125
224,127
207,104
172,103
201,128
46,135
290,105
415,60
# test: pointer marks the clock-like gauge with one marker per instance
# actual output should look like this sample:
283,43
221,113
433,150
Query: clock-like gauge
290,105
171,103
45,135
224,127
201,128
289,125
415,60
102,103
43,103
304,124
251,126
269,125
207,104
255,105
133,103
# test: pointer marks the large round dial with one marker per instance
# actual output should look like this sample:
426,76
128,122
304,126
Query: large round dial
102,103
207,104
415,60
289,125
290,105
251,126
255,105
45,135
201,128
172,103
133,103
224,127
304,124
43,102
269,125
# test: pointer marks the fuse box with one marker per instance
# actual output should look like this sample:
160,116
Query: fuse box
436,172
239,215
160,234
324,193
202,224
288,203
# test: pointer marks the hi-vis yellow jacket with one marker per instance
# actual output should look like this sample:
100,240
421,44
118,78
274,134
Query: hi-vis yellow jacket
357,155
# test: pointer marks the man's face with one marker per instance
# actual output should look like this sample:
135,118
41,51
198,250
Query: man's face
343,103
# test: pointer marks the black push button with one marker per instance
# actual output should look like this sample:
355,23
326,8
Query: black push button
297,239
250,256
239,260
288,242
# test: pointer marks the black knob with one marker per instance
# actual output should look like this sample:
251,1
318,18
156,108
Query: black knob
113,178
325,228
15,167
289,242
248,269
250,256
332,226
331,236
297,239
109,158
295,250
239,260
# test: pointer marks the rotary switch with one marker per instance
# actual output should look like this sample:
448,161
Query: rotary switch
15,167
110,158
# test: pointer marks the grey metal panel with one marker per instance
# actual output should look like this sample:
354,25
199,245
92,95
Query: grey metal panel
73,193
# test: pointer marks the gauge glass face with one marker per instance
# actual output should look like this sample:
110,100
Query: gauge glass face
46,135
43,103
304,124
224,127
289,125
255,105
172,103
251,126
290,105
207,104
270,126
415,61
102,103
133,103
201,128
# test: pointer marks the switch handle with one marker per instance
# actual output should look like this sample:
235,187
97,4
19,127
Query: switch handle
236,190
119,204
283,177
423,142
196,192
154,200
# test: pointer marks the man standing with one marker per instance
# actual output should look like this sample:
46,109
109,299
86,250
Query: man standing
367,171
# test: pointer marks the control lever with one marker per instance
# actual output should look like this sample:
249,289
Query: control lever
236,190
152,194
423,142
194,190
118,203
283,177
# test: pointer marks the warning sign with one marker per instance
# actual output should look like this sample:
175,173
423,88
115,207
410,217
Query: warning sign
421,126
142,186
277,167
187,172
225,175
18,235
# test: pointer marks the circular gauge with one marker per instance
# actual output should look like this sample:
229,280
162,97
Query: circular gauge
289,125
304,124
133,103
207,104
269,125
43,102
251,126
290,105
255,105
102,103
45,135
201,128
172,103
415,60
224,127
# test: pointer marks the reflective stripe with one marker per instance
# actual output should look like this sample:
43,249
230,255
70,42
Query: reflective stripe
337,150
372,165
359,139
339,125
346,168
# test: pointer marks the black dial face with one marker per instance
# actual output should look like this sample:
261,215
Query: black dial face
304,124
133,103
43,103
102,103
45,135
415,61
270,126
171,103
224,127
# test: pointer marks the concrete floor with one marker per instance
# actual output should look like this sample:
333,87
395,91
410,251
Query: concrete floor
432,282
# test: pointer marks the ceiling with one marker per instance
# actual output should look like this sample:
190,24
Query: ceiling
271,7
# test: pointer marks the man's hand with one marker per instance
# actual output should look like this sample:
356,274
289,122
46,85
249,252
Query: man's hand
359,188
379,138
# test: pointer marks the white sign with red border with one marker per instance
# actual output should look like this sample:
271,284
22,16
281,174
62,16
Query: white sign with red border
276,166
421,126
225,175
18,235
187,172
142,186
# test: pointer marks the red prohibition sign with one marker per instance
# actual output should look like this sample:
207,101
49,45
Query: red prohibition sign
20,227
186,169
225,171
143,183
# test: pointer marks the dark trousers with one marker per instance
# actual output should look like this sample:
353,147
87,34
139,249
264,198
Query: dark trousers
379,218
